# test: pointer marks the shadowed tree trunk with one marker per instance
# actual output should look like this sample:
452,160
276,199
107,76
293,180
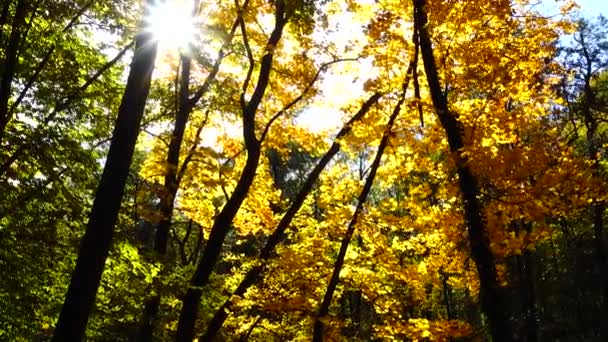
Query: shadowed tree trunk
175,172
254,274
95,243
11,61
222,223
492,301
177,136
525,263
447,294
598,207
318,327
169,191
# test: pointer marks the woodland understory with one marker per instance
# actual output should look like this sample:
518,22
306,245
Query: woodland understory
295,170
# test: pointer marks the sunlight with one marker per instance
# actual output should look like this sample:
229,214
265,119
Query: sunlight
172,24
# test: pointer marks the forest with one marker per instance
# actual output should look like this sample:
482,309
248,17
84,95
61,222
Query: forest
296,170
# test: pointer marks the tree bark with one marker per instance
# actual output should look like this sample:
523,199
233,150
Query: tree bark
223,222
95,244
447,294
169,191
491,298
11,62
254,274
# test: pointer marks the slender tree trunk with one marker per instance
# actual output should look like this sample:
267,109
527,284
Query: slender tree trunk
11,62
95,244
491,298
318,326
527,289
254,274
171,186
447,295
223,222
531,305
529,293
447,298
598,207
169,192
151,308
211,253
597,213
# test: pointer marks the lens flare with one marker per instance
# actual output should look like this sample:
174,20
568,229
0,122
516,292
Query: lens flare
172,24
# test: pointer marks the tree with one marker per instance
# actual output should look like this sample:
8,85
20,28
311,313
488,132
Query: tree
96,242
457,174
587,59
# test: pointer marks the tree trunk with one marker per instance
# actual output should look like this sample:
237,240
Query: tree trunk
529,293
598,208
167,197
527,289
223,222
254,274
447,295
95,244
318,327
10,63
491,299
597,211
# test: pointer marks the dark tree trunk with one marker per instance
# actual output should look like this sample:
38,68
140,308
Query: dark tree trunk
146,331
447,295
171,185
598,208
527,289
318,327
11,62
529,294
223,222
95,244
492,300
169,192
211,253
254,275
597,212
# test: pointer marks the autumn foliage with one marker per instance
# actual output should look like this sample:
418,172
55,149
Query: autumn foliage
328,170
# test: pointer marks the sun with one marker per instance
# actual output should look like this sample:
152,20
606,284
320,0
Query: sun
172,24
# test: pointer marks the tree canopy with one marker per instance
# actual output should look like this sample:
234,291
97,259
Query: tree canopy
326,170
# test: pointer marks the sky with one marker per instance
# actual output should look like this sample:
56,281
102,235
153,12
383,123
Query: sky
588,8
592,8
